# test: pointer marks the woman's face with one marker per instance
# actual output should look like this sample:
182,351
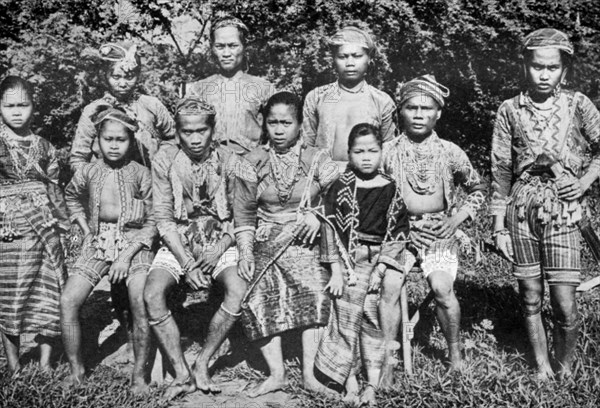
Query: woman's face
228,49
16,108
545,70
283,127
121,83
351,62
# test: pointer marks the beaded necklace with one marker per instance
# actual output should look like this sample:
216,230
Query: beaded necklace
420,165
23,158
280,172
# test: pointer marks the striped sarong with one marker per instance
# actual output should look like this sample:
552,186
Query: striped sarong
353,335
290,293
32,271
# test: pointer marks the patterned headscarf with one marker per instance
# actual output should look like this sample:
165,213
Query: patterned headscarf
229,21
116,115
123,54
547,38
193,105
352,35
424,85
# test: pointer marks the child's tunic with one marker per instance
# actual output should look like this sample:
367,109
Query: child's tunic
32,212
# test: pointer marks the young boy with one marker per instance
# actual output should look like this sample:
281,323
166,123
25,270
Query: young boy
192,184
427,170
116,193
330,111
545,156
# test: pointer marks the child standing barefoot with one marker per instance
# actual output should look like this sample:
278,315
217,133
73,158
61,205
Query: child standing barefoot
119,234
32,215
372,224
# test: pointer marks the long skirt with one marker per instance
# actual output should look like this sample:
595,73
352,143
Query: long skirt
353,335
290,293
32,275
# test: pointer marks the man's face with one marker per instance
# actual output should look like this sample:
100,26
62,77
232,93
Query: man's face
228,48
420,114
545,70
195,133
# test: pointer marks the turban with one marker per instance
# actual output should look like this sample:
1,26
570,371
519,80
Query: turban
547,38
125,55
352,35
193,105
424,85
116,115
229,21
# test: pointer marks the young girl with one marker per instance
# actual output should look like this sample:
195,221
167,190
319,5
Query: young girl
369,220
119,230
330,111
32,217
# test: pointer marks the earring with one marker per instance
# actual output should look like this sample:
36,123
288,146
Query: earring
556,91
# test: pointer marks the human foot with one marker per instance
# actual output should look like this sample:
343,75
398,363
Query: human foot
544,374
203,380
139,388
269,385
73,380
386,378
179,386
367,397
313,385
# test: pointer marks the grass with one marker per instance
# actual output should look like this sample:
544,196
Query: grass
498,369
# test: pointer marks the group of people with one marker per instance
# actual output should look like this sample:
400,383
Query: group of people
309,215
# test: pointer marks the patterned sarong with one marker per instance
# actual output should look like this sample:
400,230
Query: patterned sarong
32,271
290,294
353,325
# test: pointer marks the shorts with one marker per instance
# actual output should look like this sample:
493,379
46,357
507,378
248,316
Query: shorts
441,255
93,269
548,249
166,260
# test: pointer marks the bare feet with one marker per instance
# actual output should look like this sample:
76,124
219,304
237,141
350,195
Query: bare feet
367,397
139,387
203,380
352,392
45,368
386,378
178,387
456,365
271,384
544,374
313,385
73,380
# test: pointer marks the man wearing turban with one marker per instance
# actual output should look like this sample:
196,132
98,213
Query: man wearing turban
428,170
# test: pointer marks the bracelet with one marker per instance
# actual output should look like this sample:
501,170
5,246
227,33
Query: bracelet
503,231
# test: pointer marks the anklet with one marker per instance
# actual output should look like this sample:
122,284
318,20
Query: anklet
161,319
235,315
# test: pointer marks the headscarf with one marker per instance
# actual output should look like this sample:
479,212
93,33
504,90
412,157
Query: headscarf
424,85
547,38
193,105
229,21
116,115
123,54
352,35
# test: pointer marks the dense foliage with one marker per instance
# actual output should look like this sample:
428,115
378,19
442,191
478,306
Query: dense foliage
471,46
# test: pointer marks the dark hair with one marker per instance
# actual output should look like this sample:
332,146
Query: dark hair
132,151
364,129
281,98
211,120
13,82
241,30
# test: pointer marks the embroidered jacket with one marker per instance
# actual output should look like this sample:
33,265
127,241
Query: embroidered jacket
39,165
136,220
452,165
238,102
256,192
154,121
329,107
208,186
572,134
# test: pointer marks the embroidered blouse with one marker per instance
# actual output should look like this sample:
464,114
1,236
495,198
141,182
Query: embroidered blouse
32,159
452,165
134,181
330,108
256,191
375,215
208,185
154,120
571,133
238,102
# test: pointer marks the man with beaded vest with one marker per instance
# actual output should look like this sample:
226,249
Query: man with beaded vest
428,170
545,156
193,186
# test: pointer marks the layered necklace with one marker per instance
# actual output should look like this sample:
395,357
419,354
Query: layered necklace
420,165
542,117
285,171
24,159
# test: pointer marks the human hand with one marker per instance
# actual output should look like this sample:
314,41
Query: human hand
118,271
503,243
376,278
246,269
447,227
335,286
570,188
422,238
307,228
